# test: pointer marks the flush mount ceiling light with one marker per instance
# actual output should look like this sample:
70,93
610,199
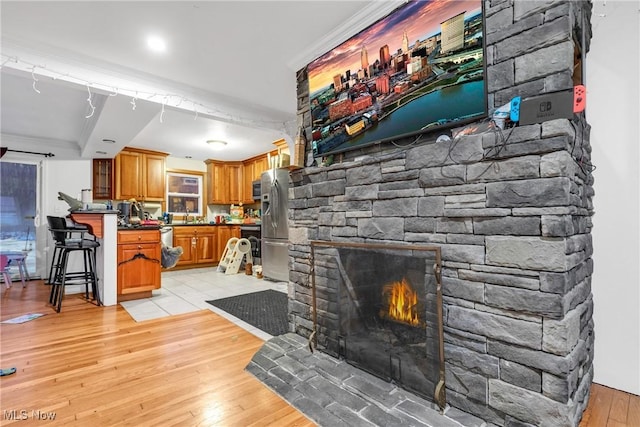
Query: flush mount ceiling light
217,144
156,44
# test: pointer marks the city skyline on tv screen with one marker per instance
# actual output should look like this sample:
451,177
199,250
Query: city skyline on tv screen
419,68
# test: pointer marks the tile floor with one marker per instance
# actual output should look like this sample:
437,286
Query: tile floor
184,291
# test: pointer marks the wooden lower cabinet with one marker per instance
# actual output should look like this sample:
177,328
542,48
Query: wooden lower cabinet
225,232
202,245
139,263
198,245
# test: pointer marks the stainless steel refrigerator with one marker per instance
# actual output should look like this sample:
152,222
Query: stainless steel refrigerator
274,199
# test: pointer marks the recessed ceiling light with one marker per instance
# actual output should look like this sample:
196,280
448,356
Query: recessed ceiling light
156,44
101,152
109,141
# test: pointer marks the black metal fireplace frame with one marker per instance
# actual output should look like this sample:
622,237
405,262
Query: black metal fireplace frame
439,392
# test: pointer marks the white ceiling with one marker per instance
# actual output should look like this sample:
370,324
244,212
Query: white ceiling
228,72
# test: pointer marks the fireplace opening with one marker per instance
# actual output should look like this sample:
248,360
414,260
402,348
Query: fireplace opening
379,307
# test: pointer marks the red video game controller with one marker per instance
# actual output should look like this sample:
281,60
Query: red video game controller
579,98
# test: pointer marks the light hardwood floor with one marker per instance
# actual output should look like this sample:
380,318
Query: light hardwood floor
96,366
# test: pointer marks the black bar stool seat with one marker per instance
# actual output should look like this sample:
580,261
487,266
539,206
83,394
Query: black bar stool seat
68,240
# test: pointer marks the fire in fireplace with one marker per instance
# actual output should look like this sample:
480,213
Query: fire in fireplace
402,303
379,307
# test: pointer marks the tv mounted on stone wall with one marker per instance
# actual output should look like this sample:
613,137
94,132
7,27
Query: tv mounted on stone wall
420,69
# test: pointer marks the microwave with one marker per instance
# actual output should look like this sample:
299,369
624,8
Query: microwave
255,185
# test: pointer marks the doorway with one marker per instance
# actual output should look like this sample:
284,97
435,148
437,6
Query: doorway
18,210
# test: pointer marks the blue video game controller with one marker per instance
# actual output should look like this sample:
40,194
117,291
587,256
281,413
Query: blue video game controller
514,114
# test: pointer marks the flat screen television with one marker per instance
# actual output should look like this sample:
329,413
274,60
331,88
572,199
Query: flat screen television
419,69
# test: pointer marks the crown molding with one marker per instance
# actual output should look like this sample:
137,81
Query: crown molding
369,14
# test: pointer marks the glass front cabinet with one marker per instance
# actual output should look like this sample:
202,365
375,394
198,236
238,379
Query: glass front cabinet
103,179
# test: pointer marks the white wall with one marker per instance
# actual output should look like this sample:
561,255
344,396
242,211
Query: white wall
69,177
614,114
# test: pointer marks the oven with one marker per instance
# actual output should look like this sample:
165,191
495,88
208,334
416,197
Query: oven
253,234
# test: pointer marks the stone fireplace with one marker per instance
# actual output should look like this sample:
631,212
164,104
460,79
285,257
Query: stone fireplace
511,213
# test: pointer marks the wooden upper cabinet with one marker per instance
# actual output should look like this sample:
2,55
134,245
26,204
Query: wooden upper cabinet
128,175
247,181
260,165
252,171
103,188
140,175
234,182
217,191
155,173
224,182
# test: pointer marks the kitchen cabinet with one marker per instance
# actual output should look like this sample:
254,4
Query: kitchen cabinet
140,175
225,232
252,170
234,182
199,245
103,188
224,182
260,165
139,263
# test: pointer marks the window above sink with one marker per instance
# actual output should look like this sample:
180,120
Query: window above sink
185,193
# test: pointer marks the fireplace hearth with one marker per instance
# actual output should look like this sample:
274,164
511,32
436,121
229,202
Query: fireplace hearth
381,310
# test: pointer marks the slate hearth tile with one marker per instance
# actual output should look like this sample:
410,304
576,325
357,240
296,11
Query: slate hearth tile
318,396
317,413
262,362
464,418
375,392
304,356
381,418
339,394
285,376
332,370
292,365
426,414
348,417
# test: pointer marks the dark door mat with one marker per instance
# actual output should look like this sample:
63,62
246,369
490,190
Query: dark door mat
266,310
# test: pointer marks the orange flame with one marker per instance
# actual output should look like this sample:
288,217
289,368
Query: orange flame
403,302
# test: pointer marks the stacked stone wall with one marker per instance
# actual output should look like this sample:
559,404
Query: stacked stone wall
511,212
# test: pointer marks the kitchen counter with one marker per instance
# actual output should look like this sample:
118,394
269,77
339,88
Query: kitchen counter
139,227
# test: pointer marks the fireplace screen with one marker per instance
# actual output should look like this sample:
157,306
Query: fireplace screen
379,307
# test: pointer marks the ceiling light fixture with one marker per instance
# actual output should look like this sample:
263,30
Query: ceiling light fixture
217,144
156,44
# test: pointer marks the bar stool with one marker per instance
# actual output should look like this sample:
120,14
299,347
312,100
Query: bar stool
59,223
67,241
